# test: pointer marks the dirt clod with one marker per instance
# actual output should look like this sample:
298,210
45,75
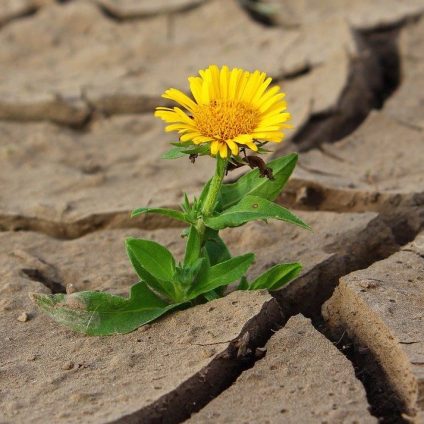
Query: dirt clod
23,317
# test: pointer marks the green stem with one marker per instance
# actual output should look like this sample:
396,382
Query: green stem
215,186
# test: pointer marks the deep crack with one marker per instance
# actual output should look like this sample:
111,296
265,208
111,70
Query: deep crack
373,77
38,276
200,389
383,401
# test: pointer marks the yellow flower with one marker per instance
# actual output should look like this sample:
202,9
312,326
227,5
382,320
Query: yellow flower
231,108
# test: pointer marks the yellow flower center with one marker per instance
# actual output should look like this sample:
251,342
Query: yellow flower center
225,119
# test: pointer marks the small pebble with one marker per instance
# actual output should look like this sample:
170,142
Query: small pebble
23,317
70,289
68,366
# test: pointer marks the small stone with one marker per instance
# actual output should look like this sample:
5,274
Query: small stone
70,289
68,366
24,317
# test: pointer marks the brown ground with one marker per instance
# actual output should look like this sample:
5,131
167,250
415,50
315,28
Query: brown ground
79,149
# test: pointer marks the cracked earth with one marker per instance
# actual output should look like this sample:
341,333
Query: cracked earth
79,149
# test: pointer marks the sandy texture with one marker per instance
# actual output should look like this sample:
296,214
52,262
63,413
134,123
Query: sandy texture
48,371
303,378
114,77
277,242
130,9
361,14
93,179
406,105
97,261
91,72
66,367
14,9
381,307
380,165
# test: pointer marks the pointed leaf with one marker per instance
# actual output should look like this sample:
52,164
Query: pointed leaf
222,274
243,285
204,192
171,213
100,314
164,290
252,184
156,259
252,208
192,247
179,151
276,277
215,248
211,295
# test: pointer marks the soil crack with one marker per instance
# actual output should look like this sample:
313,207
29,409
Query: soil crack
40,277
200,389
383,401
373,79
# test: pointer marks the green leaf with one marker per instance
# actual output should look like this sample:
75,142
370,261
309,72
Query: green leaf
215,248
171,213
211,295
156,259
252,184
186,203
276,277
252,208
179,151
222,274
204,192
164,290
243,285
100,314
192,247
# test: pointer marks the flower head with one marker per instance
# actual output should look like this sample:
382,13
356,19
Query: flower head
229,109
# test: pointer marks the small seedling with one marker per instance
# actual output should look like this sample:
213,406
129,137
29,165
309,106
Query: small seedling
231,113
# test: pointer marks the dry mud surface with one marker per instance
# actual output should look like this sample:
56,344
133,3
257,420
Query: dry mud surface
79,149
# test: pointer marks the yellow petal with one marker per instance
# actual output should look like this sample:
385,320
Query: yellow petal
233,85
178,127
243,139
276,119
270,102
166,116
179,97
201,139
252,146
247,140
214,72
223,81
277,108
261,90
214,147
189,136
233,147
223,150
244,79
275,136
273,91
196,88
265,128
183,116
205,94
252,86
